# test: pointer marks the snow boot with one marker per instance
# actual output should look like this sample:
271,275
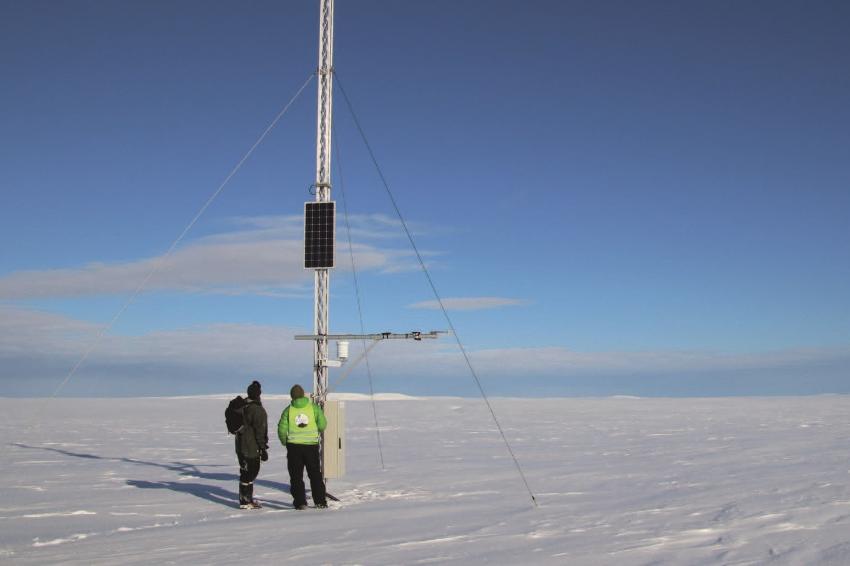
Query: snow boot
246,494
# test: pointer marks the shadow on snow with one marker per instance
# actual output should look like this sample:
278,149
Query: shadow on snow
204,491
208,492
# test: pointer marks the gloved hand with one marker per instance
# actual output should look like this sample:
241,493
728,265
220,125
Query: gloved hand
264,454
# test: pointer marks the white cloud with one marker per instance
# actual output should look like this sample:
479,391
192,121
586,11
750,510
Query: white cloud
363,226
443,358
561,361
49,340
35,333
263,256
470,303
199,267
37,344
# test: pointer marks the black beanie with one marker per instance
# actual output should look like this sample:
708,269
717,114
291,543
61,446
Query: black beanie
296,392
254,390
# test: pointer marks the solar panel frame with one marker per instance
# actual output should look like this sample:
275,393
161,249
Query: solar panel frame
319,224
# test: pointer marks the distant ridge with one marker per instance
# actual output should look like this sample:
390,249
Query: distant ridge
335,396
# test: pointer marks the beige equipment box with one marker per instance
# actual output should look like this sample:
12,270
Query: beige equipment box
334,447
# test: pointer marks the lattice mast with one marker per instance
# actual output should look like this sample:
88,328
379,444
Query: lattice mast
319,238
323,191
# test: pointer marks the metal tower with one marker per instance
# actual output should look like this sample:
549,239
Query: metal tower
319,235
323,190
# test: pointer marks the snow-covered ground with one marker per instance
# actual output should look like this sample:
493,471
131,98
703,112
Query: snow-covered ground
618,481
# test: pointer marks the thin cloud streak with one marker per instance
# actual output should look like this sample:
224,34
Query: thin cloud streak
470,303
263,257
363,226
196,268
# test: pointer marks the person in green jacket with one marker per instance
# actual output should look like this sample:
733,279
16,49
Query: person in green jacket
298,429
252,444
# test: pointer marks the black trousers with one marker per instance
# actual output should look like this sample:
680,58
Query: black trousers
248,470
299,456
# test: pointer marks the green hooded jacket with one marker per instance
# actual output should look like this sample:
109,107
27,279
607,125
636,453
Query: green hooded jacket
300,403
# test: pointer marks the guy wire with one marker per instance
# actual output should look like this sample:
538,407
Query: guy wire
434,288
357,292
157,265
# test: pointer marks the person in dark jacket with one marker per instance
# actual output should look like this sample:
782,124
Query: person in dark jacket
252,444
298,429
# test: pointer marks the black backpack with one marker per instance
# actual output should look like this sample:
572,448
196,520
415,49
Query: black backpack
233,417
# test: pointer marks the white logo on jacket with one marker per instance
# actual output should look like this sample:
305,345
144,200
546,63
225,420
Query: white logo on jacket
301,420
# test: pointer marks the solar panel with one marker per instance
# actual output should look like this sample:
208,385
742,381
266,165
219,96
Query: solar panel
319,234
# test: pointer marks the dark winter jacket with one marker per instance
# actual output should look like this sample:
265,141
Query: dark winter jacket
254,436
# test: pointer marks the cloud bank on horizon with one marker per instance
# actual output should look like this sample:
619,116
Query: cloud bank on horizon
38,348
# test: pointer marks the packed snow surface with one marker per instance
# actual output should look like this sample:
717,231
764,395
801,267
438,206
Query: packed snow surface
617,481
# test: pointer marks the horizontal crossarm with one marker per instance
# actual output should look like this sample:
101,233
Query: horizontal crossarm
414,335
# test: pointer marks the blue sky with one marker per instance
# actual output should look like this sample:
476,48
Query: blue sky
614,197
